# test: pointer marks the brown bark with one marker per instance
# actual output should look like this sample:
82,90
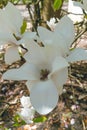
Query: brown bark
48,12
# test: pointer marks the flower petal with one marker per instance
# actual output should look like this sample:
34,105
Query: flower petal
66,29
27,38
29,35
31,83
25,72
59,42
17,20
3,22
25,101
27,114
51,52
77,54
6,35
44,97
52,23
12,54
45,35
6,38
49,37
35,54
59,64
60,78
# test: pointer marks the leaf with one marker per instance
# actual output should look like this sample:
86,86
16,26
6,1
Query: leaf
39,119
18,121
57,4
23,27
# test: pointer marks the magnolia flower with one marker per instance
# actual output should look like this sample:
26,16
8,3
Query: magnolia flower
76,13
10,32
62,38
27,111
46,72
25,101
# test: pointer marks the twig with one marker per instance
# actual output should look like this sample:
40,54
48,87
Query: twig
84,127
31,17
76,80
78,36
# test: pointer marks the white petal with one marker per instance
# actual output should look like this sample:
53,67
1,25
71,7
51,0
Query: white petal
66,29
6,37
52,23
45,35
59,64
12,54
25,101
14,15
77,54
25,72
27,114
4,22
60,78
35,54
44,97
27,38
6,29
60,42
51,52
29,35
31,83
55,38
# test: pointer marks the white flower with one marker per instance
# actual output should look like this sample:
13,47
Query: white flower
76,13
62,38
46,72
10,32
27,112
72,121
25,101
52,23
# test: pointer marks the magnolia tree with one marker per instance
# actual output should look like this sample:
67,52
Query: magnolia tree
47,53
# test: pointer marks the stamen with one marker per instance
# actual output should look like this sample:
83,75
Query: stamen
44,74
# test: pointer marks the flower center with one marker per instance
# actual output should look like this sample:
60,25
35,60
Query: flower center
44,74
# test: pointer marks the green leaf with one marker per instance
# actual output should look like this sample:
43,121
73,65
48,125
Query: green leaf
18,121
23,27
39,119
57,4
